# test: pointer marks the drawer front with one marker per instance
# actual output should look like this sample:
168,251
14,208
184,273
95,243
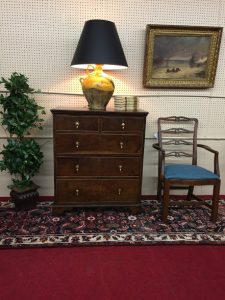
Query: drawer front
120,190
101,144
122,124
97,191
76,123
98,166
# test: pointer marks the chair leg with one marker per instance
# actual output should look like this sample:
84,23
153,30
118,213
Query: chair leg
165,204
159,191
215,201
190,192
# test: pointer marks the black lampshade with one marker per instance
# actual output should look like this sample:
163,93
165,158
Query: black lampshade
99,44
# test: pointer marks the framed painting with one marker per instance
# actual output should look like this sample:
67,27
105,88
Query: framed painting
181,56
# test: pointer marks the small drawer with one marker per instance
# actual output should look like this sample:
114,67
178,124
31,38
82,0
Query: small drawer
97,191
76,123
98,144
122,124
68,143
98,166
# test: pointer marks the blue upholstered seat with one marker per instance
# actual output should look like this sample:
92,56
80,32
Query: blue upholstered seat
185,171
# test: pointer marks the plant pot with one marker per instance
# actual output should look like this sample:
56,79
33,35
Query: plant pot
25,199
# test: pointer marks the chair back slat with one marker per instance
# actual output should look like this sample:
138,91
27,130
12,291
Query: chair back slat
178,154
177,142
176,131
178,137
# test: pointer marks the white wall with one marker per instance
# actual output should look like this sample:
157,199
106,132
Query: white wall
39,37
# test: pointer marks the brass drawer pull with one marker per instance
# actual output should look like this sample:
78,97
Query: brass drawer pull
120,168
119,191
123,125
77,124
77,144
121,145
77,168
77,193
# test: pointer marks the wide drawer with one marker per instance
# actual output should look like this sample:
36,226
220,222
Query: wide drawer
77,123
122,124
95,143
97,166
97,191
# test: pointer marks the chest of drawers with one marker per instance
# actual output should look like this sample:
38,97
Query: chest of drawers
98,157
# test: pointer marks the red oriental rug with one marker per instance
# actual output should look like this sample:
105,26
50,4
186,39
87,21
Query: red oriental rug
81,227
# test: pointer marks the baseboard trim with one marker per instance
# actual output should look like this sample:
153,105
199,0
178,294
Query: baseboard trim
181,197
143,197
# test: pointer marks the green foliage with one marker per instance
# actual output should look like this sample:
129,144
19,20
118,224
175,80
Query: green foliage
20,112
22,159
22,156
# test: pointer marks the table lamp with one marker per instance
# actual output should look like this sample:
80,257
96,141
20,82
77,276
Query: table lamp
98,49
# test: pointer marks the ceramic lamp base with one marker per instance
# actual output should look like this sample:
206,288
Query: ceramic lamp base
97,99
97,87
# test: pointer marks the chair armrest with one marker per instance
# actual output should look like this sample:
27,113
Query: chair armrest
156,146
216,157
161,160
207,148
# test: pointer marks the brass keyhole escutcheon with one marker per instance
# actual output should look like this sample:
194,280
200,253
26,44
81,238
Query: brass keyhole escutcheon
77,124
77,144
123,125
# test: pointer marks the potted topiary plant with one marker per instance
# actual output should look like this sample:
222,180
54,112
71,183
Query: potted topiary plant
21,156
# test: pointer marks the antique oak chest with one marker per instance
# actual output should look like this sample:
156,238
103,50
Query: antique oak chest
98,157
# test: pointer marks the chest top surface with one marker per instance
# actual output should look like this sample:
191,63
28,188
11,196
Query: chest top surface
85,110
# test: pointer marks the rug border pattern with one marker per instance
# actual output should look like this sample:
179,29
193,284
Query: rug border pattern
103,239
111,239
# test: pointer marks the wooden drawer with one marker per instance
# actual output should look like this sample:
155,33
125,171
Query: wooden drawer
122,124
97,191
98,166
77,123
101,144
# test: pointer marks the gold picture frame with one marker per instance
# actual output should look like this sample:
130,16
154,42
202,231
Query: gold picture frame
181,56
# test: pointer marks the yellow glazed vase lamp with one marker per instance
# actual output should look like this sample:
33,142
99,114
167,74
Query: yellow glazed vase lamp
97,87
98,49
